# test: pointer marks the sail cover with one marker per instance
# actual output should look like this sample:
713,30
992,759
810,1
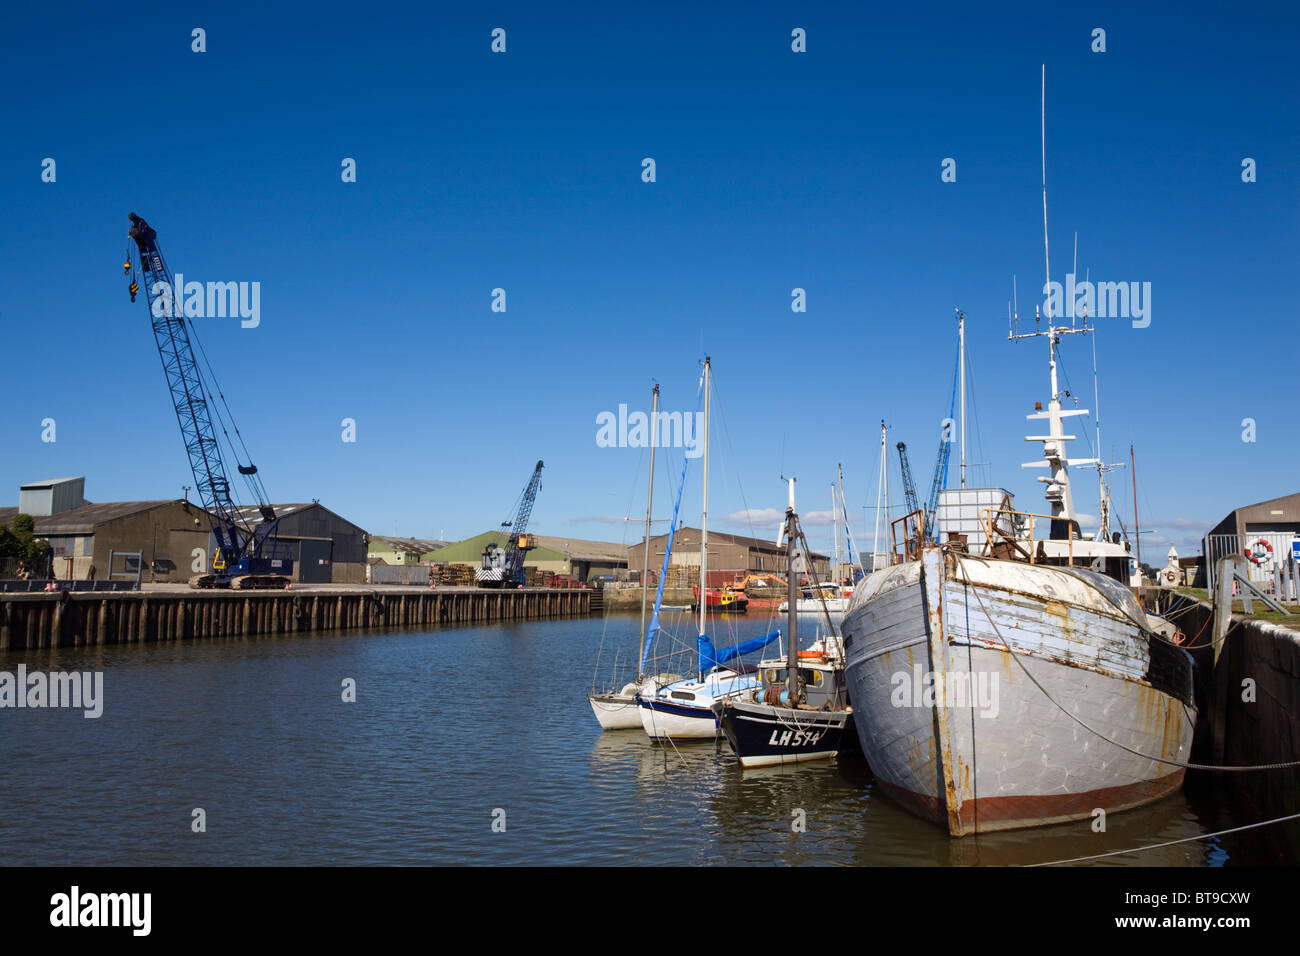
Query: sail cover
710,657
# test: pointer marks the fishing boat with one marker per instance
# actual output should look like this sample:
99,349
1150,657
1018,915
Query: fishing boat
683,710
800,710
1019,682
1013,680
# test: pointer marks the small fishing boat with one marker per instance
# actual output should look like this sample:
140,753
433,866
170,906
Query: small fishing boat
800,711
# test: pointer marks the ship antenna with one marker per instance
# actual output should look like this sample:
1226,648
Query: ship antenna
1047,261
1013,311
1074,271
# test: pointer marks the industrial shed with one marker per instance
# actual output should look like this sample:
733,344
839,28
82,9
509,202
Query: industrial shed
165,532
172,535
325,547
727,552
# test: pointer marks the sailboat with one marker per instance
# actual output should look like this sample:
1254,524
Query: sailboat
683,710
1019,683
800,711
617,710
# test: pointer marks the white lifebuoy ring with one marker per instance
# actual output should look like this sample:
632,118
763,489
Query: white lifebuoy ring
1260,552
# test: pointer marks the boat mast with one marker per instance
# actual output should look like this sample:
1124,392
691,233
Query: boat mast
704,512
1137,526
961,363
650,499
835,526
848,536
882,495
1057,492
792,616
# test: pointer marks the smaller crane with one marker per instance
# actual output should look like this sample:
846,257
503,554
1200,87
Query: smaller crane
909,488
937,483
504,567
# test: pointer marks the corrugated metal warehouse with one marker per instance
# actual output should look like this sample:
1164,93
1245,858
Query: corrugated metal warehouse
324,546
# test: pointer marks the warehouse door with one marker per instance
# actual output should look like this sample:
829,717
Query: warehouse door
314,562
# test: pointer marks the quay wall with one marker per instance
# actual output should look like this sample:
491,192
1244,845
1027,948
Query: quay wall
30,621
1248,709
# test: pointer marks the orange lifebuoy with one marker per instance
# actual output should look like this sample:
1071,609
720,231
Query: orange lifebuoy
812,655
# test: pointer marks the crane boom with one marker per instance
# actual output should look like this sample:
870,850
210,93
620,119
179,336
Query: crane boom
937,483
909,489
239,559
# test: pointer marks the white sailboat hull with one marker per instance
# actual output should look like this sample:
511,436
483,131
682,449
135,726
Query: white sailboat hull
991,749
663,721
615,711
685,710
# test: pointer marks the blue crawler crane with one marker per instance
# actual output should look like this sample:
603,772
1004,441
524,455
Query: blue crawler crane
245,555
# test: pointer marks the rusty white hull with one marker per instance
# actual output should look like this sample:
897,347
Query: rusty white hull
956,731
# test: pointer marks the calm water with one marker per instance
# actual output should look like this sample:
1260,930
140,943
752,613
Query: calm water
449,725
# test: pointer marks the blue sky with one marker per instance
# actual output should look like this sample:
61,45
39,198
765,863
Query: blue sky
775,170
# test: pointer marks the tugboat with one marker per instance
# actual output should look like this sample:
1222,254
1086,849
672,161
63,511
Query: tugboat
724,600
800,711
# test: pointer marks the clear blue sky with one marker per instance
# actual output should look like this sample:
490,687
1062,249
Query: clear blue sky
775,170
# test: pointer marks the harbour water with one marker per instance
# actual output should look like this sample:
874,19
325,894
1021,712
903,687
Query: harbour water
450,727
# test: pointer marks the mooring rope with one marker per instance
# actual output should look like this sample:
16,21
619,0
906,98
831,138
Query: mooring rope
1092,730
1156,846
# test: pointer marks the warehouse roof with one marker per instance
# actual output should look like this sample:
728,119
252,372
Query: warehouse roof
549,549
582,550
715,537
1283,510
47,483
251,515
417,545
87,518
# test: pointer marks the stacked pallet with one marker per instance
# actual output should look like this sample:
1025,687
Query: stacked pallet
682,577
453,575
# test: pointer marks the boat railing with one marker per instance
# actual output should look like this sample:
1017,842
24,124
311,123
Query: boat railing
997,536
913,533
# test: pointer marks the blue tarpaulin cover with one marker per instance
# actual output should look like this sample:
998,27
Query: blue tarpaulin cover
711,657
